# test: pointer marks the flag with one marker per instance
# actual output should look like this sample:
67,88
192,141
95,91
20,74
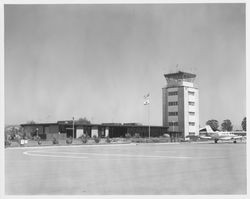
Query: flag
146,96
146,102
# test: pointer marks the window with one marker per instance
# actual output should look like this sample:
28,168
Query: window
190,92
191,133
191,113
191,103
173,123
191,123
173,93
172,113
172,103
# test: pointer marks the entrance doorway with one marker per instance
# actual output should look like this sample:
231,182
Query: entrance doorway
69,132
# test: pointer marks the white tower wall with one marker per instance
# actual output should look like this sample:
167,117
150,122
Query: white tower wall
181,106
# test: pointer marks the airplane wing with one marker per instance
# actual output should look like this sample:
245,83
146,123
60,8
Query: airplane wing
238,137
234,138
205,137
226,138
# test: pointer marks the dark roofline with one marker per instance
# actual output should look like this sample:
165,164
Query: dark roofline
151,126
180,75
38,124
77,124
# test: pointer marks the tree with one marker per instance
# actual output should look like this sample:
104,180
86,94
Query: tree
214,124
31,122
226,125
244,124
11,131
83,121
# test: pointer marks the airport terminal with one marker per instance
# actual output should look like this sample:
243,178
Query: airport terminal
64,129
180,108
124,167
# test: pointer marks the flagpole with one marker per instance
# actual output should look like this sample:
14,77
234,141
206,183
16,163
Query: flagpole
147,102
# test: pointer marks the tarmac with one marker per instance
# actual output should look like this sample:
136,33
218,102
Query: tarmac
127,169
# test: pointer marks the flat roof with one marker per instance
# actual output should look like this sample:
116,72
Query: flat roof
79,124
38,124
180,75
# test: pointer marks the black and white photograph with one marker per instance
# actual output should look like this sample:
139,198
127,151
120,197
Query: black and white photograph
127,99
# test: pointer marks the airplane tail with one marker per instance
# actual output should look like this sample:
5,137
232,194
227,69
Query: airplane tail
209,129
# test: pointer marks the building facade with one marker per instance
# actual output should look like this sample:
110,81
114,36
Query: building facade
180,100
66,129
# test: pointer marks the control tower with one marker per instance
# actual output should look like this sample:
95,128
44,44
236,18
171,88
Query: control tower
180,100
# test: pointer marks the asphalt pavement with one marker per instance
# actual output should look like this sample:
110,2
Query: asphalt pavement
142,169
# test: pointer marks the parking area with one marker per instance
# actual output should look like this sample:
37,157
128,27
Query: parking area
127,169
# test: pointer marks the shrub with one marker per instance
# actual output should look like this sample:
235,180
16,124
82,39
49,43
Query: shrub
69,140
22,135
55,141
138,140
33,134
37,138
155,140
97,139
137,135
29,137
84,138
7,143
127,135
16,139
149,140
108,140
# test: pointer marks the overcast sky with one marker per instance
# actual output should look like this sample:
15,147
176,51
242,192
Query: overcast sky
98,61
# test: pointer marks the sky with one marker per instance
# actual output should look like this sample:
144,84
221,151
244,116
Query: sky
98,61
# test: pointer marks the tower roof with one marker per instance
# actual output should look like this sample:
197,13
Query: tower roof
180,75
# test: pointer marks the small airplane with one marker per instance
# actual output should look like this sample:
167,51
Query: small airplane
218,135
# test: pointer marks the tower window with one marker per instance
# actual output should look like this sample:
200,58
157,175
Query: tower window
191,113
190,92
172,103
191,103
172,113
173,93
191,123
173,124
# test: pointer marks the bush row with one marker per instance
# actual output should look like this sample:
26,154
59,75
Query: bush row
85,138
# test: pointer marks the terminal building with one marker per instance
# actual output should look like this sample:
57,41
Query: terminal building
180,107
65,129
180,117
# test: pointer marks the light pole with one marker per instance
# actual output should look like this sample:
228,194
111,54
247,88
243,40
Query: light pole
36,132
173,130
73,129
